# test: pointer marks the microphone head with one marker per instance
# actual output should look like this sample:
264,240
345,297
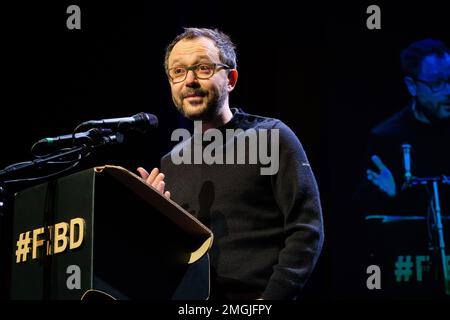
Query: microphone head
150,119
406,147
143,122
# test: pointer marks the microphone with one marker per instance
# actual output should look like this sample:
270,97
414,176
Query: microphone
407,161
141,122
92,135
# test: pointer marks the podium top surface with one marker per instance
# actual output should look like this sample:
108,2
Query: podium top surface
179,216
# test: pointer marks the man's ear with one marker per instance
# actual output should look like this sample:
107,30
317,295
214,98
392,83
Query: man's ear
411,86
232,79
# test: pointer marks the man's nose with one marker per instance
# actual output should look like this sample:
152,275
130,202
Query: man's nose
191,79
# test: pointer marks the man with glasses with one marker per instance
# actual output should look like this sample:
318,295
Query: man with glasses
424,123
267,229
413,143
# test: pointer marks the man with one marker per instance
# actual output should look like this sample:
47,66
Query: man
424,124
267,227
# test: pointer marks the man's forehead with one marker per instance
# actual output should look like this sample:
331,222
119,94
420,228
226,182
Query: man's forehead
188,49
435,65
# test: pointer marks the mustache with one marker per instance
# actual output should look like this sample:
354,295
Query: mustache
196,92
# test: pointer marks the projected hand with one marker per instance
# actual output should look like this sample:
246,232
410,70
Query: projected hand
384,179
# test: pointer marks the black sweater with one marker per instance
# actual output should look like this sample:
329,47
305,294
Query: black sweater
267,229
430,157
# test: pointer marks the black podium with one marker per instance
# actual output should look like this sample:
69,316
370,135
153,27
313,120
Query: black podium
103,232
401,247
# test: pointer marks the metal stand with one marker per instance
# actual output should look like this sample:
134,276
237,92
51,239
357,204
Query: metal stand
60,156
438,234
2,200
7,174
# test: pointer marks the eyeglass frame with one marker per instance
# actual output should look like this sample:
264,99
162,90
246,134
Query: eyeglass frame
195,66
428,84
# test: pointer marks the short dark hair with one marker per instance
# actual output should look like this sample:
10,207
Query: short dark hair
227,53
412,56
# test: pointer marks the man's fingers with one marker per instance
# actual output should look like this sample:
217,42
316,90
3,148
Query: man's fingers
151,178
143,173
384,180
376,180
157,180
160,186
377,161
371,175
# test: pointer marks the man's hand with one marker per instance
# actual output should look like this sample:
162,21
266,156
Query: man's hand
154,179
383,180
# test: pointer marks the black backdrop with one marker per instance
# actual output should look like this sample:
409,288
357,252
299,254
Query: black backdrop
314,66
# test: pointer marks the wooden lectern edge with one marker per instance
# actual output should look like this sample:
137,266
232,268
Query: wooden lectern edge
197,254
99,293
123,175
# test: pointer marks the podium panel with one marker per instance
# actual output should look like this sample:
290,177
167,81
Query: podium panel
402,248
105,230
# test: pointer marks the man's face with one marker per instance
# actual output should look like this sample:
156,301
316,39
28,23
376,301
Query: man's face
198,99
434,105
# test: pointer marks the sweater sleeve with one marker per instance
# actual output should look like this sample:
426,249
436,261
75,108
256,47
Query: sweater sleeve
296,192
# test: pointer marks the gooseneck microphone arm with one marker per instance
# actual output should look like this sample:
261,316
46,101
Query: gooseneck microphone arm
101,133
141,122
79,151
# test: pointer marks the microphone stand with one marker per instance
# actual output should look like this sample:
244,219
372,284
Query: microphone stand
105,140
438,236
2,200
115,138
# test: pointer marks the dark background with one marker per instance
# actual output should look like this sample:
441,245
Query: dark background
315,66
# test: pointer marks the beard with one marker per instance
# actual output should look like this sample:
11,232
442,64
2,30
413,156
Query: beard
211,106
432,114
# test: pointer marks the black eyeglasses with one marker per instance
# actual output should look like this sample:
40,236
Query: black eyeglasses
435,86
201,71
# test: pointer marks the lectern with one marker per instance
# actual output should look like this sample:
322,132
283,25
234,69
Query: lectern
105,232
400,246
